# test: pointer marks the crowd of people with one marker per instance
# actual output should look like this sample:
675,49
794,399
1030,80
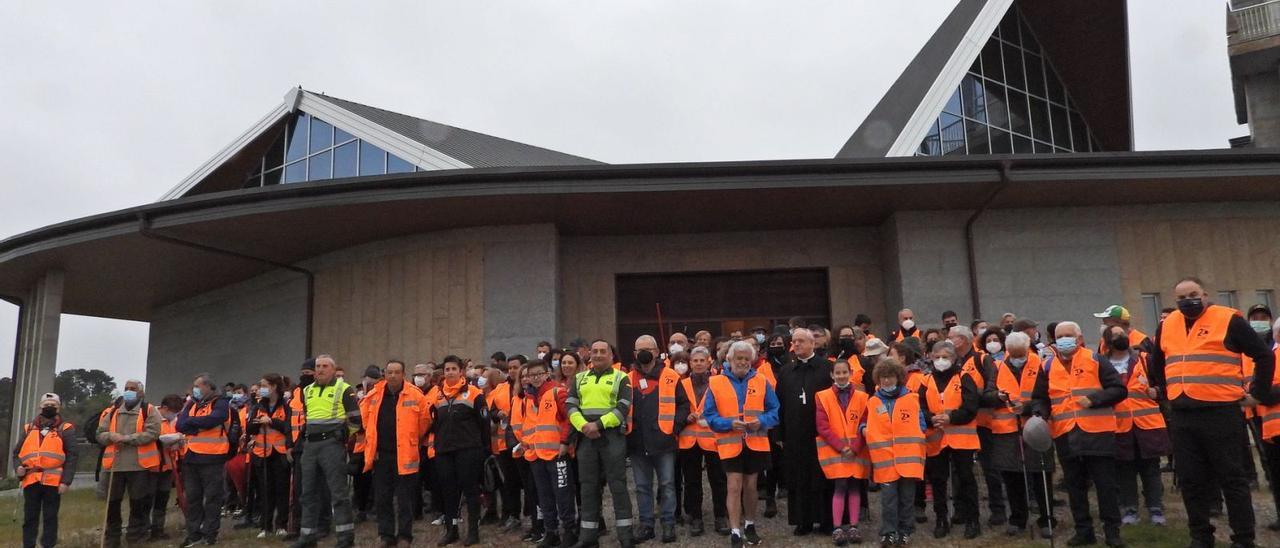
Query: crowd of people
824,418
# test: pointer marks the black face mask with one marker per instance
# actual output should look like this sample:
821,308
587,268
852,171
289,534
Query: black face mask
848,345
949,325
776,351
49,412
305,380
1120,343
644,357
1191,308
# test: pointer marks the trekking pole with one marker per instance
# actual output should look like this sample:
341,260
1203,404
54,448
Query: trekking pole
1022,455
1048,502
102,539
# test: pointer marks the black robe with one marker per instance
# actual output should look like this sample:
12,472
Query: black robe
809,491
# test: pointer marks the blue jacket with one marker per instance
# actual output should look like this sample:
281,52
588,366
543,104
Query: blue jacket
190,426
889,402
768,419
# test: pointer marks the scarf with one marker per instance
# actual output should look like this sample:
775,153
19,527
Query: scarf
451,391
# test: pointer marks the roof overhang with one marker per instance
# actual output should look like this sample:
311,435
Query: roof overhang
113,270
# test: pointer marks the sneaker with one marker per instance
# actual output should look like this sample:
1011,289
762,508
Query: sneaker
887,540
281,533
735,541
903,539
511,524
439,520
1130,516
751,537
190,541
853,535
1157,516
838,538
262,534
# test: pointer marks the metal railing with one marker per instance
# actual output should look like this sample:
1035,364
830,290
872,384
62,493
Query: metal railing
1258,21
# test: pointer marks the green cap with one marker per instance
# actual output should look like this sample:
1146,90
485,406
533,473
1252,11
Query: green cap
1115,312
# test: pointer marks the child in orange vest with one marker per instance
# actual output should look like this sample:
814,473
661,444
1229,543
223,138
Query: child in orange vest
894,431
841,412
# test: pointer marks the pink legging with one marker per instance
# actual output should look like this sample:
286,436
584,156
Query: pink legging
846,489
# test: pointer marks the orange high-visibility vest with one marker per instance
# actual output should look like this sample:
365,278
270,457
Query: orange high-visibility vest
956,436
729,444
148,455
499,400
896,444
297,413
518,423
43,458
933,402
667,382
1197,363
170,455
1135,339
412,421
1068,385
1003,420
269,440
694,432
1270,413
210,441
540,435
1138,409
765,368
844,423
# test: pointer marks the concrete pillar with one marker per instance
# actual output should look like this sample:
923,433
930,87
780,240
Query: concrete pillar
37,355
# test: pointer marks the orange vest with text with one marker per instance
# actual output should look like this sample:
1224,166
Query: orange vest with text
844,423
1197,362
1068,385
540,435
210,441
499,400
667,382
896,444
413,419
43,458
729,444
269,441
956,436
695,433
1003,420
148,455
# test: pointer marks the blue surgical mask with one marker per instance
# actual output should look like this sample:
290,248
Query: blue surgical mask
239,399
197,393
129,396
1018,362
759,338
264,392
555,364
1066,345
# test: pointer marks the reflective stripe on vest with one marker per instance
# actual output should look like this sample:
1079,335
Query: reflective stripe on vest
667,381
729,444
844,424
1138,409
896,445
1197,362
210,441
1003,419
695,433
148,455
43,457
324,406
1068,385
541,429
958,436
269,440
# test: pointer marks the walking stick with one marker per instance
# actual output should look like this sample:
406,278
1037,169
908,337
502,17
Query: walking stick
102,540
1026,483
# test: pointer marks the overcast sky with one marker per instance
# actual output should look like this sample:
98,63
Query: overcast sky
108,105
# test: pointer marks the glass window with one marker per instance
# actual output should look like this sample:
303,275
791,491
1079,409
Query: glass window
344,160
297,139
397,165
1043,148
1079,134
275,154
1035,75
1028,40
340,136
1061,134
952,134
977,66
1150,311
1040,120
252,181
1000,143
321,135
1009,27
978,142
975,100
272,177
1014,76
295,172
321,166
991,62
997,110
953,104
1019,120
1227,298
1266,297
1022,145
373,161
930,146
1053,87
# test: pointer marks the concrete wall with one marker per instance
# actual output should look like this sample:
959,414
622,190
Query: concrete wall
236,333
589,265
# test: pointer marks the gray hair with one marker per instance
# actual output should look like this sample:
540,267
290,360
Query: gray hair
207,379
1017,339
741,346
1071,324
699,350
945,346
961,331
141,387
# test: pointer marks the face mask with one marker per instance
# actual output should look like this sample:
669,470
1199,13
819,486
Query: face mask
239,399
542,355
949,325
197,393
264,392
942,364
49,412
993,347
889,389
848,345
1120,343
482,382
675,347
759,338
1191,308
1262,327
908,324
842,385
681,368
776,351
419,380
1066,345
305,380
1102,329
1008,329
288,395
1018,362
129,396
644,356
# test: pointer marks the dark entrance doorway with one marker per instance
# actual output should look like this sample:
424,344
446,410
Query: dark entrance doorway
719,302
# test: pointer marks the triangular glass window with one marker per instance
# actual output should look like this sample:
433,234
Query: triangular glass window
310,149
1011,100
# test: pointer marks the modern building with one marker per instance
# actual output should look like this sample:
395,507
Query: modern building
331,226
1253,46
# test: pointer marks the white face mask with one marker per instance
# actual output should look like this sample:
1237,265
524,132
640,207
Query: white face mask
1102,329
675,347
482,382
942,364
681,368
993,347
908,324
542,355
419,380
890,388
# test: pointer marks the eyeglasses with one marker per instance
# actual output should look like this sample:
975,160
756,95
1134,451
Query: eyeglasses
536,375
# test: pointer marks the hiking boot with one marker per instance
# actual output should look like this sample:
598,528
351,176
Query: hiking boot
695,527
668,533
838,538
722,526
770,507
972,530
473,533
749,535
450,535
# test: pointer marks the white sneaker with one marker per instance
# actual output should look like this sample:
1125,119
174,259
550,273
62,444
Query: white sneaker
1157,516
281,532
262,534
438,521
1130,517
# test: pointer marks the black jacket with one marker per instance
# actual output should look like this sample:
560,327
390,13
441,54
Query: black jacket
458,426
967,412
798,384
1240,338
1077,442
645,437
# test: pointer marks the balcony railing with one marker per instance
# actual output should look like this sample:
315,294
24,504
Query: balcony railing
1254,22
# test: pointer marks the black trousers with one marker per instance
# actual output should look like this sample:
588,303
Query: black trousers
990,476
555,488
940,468
1272,453
202,485
808,491
509,491
271,477
40,508
1081,470
1016,484
295,505
361,486
459,475
163,482
774,475
691,467
139,486
1127,474
525,472
1207,446
393,496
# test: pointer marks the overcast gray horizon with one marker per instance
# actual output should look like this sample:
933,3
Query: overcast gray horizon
111,105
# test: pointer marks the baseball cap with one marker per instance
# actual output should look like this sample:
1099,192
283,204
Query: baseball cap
1259,308
50,397
1114,312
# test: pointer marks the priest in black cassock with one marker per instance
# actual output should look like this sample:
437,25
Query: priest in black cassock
808,491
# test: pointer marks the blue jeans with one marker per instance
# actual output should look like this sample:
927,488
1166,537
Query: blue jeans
643,468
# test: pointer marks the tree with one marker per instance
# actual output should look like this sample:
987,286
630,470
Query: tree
79,385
